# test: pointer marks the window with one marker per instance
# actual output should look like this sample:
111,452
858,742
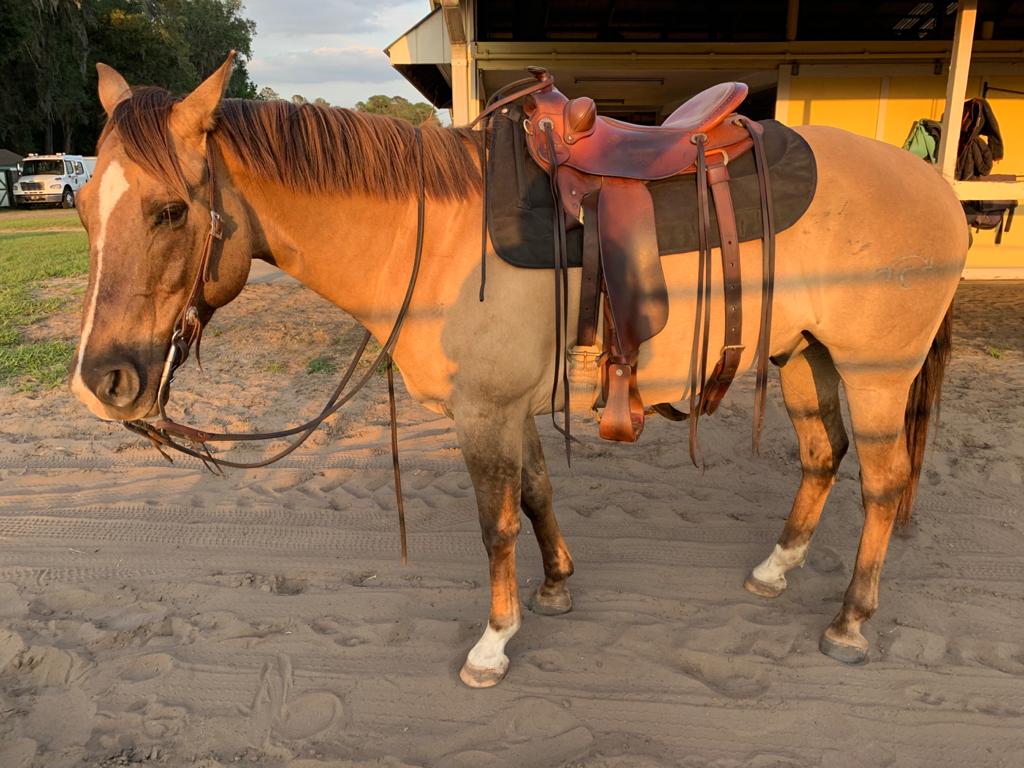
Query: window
79,169
41,168
67,167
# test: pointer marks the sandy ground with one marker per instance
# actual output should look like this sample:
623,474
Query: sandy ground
154,613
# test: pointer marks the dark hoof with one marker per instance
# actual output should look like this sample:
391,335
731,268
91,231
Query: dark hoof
550,605
761,589
846,652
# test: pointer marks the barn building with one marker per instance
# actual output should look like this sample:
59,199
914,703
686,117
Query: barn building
873,67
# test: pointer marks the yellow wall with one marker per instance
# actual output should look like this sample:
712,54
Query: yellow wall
885,106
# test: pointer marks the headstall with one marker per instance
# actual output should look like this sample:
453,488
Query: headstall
188,331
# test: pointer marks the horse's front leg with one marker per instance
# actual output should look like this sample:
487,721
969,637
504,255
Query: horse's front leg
552,597
492,445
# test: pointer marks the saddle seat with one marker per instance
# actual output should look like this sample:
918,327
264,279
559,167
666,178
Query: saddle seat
602,146
707,109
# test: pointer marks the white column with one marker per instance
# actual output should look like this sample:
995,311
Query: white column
956,86
465,102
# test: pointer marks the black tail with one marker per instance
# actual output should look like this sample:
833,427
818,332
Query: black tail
924,398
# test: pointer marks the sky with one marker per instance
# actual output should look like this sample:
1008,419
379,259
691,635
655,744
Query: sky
330,48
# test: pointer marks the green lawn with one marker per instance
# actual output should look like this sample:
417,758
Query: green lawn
28,222
27,260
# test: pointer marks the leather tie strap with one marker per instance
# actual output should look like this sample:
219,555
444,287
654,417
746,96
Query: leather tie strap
590,281
561,273
702,316
756,131
725,370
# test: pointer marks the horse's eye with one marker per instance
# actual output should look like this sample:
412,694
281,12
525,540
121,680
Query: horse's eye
172,215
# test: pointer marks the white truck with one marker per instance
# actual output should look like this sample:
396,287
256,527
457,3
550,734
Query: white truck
49,179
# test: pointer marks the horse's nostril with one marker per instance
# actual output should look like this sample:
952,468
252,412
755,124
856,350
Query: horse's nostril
119,387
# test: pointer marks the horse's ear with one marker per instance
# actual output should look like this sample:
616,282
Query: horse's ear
196,113
113,88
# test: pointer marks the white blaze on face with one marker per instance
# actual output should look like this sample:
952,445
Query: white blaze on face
112,185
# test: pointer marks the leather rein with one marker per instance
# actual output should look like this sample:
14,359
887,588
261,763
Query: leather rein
188,331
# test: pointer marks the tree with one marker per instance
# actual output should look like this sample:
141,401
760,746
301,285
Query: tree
397,106
47,65
55,43
268,94
17,125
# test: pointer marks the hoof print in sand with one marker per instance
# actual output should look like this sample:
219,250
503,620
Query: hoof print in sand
734,678
531,732
146,667
277,713
45,665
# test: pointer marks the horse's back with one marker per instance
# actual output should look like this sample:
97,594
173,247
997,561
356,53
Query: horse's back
884,183
869,269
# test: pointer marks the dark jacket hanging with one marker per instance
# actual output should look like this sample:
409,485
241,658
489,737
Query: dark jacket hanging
975,155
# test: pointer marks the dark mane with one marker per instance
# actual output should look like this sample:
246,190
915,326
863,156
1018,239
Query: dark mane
307,148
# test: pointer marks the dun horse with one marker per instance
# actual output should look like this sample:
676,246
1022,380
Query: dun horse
865,282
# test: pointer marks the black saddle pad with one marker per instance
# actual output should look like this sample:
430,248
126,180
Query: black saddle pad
520,205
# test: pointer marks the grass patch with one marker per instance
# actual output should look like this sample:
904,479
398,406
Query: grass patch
995,352
27,259
275,366
34,256
40,365
61,220
322,364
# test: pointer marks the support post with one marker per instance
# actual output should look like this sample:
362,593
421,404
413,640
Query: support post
465,104
956,87
792,17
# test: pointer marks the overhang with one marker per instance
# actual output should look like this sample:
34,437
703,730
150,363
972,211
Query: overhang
423,57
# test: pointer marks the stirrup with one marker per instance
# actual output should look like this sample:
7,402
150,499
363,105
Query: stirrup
623,417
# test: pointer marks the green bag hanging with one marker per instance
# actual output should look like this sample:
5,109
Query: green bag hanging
920,142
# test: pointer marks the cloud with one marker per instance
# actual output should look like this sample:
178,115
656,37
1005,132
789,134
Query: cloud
317,17
324,65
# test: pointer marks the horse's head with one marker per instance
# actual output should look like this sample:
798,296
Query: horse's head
147,213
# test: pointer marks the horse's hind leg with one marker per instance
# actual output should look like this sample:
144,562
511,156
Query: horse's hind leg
552,597
492,445
810,387
878,431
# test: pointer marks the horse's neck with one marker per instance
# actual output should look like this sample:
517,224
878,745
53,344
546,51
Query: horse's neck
356,252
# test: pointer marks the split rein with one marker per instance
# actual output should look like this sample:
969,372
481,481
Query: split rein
188,331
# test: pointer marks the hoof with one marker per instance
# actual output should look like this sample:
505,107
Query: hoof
850,650
550,605
762,589
481,677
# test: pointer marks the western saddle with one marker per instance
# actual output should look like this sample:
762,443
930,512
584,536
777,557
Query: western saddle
598,168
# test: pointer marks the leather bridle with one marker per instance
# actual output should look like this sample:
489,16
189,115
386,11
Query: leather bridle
188,331
188,327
